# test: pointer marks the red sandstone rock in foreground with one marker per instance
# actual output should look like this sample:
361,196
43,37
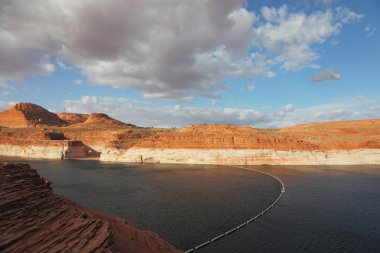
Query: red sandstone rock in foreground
34,219
26,115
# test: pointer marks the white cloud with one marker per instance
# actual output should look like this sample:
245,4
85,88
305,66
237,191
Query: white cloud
166,49
87,100
147,114
292,35
4,85
78,81
251,86
326,2
5,93
289,108
346,16
346,109
370,30
5,104
61,64
328,74
315,66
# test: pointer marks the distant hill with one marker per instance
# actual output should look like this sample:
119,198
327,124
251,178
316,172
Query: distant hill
73,118
27,115
23,115
99,120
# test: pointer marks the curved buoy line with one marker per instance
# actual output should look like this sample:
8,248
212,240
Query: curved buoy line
248,221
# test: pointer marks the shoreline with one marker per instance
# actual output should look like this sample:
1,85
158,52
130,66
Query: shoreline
207,156
34,218
244,156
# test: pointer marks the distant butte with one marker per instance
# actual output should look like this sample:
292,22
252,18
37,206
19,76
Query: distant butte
73,118
28,115
99,120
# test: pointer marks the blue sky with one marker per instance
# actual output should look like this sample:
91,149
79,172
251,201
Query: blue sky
172,63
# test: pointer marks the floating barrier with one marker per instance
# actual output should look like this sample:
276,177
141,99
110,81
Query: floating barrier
248,221
217,238
202,245
231,231
241,225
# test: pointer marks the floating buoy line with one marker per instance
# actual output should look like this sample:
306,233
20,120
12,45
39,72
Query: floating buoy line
216,238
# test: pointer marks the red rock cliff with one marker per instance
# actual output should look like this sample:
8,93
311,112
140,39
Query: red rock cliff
223,137
26,115
344,135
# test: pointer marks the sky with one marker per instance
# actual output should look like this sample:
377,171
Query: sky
170,63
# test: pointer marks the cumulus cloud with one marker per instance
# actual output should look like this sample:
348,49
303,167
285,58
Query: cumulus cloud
326,2
5,93
329,74
370,30
86,100
345,15
251,86
292,35
4,85
146,114
166,49
352,108
289,108
78,81
5,105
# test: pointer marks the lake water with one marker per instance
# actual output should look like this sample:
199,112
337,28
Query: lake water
324,209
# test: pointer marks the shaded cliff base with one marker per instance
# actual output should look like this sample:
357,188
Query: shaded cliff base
34,219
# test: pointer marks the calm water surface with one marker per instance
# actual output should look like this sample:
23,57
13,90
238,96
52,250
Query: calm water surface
324,209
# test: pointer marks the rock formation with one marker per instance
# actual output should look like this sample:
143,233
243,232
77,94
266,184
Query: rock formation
344,135
27,115
223,137
73,118
34,219
339,135
318,143
100,120
335,143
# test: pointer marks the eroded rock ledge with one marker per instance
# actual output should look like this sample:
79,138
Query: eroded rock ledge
34,219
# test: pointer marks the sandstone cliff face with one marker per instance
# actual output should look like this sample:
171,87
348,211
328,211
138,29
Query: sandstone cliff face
244,156
26,115
339,135
29,136
346,135
100,139
34,219
325,144
223,137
